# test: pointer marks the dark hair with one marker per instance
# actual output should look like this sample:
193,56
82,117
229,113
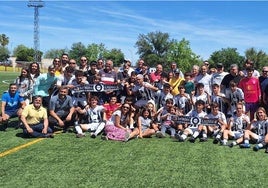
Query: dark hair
232,83
198,85
187,74
27,76
215,85
38,69
200,102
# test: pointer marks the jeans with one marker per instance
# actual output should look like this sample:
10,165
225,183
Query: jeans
164,128
37,131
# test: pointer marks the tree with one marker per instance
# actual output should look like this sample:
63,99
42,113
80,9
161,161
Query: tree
23,53
226,56
260,58
116,55
77,50
53,53
95,51
156,43
181,53
4,53
4,40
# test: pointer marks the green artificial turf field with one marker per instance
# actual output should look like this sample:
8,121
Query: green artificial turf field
67,161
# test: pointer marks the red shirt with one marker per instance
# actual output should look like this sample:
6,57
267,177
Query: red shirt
251,88
110,108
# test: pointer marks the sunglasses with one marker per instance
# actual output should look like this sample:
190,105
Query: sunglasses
83,60
126,107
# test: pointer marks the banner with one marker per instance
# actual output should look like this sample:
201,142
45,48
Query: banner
194,120
94,88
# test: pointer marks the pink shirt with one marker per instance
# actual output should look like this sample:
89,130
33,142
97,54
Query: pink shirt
251,89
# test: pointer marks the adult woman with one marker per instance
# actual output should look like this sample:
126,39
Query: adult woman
117,127
34,70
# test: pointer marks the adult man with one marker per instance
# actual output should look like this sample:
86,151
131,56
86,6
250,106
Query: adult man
204,78
35,121
61,109
143,90
219,75
12,105
64,61
155,76
108,77
233,75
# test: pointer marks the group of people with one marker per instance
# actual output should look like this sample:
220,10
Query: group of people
133,102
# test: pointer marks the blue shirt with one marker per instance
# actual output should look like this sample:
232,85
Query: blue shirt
43,83
12,102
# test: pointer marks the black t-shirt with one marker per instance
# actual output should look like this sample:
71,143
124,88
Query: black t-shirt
228,78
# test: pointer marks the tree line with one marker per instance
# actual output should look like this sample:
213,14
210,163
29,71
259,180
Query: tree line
154,47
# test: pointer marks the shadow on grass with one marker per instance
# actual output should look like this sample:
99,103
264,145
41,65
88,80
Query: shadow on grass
21,135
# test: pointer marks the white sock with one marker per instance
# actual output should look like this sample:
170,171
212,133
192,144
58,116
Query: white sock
196,133
78,130
99,128
183,136
225,141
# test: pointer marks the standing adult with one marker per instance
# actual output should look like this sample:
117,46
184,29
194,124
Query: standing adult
204,78
155,76
44,84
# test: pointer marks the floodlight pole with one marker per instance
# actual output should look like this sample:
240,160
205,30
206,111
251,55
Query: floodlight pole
36,4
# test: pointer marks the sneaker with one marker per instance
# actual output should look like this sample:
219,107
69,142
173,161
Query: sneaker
223,143
160,135
104,137
203,139
93,136
244,145
266,150
179,138
127,136
231,145
256,148
192,140
216,141
79,135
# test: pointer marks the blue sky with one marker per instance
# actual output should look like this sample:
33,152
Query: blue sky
209,26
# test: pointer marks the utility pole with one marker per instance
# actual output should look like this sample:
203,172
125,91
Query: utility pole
36,4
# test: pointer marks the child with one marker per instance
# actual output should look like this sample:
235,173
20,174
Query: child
167,123
193,129
201,94
236,125
234,95
96,121
25,85
219,98
183,101
111,106
188,83
144,124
